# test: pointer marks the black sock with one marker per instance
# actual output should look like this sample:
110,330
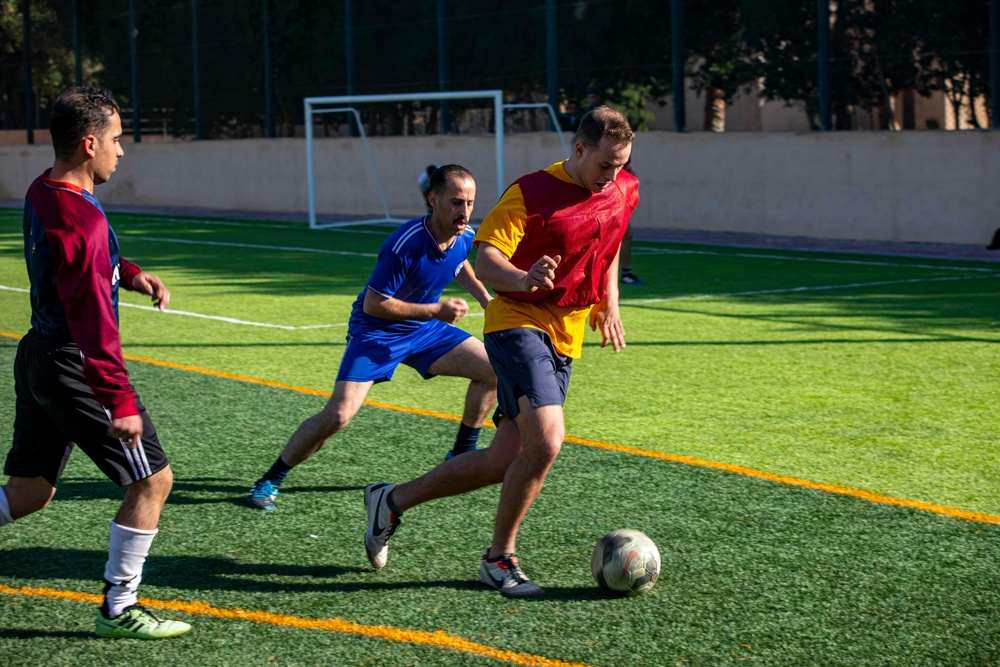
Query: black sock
466,439
626,269
277,472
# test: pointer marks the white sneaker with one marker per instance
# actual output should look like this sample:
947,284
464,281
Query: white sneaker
382,523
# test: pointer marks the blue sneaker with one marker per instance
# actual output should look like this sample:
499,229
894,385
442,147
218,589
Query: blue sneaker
262,495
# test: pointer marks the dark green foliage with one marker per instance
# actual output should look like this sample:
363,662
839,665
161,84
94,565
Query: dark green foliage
624,48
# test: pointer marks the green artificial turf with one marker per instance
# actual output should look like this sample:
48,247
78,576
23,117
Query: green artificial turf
881,385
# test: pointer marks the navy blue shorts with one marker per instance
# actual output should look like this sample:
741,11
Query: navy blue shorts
373,356
526,364
54,409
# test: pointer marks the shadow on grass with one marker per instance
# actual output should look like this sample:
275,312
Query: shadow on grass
200,573
188,491
35,634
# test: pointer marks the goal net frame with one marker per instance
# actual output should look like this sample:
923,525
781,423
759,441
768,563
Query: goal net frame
342,104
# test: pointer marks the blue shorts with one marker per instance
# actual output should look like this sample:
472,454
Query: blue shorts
526,364
372,356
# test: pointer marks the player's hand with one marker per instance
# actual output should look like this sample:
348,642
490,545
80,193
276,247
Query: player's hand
452,310
607,317
127,429
542,273
149,284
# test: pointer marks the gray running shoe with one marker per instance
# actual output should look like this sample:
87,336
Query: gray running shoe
504,574
382,523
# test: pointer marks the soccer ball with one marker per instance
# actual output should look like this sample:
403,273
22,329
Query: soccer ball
625,562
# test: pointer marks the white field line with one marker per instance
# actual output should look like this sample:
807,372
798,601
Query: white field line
168,222
219,318
625,302
858,262
254,246
790,290
653,251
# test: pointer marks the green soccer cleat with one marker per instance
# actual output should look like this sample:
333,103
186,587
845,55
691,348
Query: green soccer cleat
137,622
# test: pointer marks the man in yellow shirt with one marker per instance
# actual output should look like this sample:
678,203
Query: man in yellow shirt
550,251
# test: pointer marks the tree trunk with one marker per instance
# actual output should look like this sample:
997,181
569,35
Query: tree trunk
715,110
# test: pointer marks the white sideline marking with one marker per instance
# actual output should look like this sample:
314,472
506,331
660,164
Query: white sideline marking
219,318
167,222
789,290
859,262
255,246
233,320
624,302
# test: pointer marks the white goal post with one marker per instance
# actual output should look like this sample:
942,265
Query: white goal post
342,104
319,105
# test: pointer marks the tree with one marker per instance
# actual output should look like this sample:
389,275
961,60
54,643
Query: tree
724,62
52,59
953,52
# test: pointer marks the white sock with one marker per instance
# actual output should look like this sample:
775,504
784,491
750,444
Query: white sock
5,516
123,571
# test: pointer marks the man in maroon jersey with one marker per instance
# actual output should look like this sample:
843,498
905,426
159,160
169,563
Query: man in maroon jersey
70,380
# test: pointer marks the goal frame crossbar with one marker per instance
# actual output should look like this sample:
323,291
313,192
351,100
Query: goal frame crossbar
339,104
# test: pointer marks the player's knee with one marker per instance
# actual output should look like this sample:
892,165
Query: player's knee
553,446
164,479
490,381
547,449
157,486
27,498
334,420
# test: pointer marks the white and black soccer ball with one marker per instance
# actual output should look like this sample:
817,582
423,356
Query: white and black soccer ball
625,562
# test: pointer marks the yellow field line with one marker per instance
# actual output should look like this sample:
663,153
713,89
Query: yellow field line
438,638
954,512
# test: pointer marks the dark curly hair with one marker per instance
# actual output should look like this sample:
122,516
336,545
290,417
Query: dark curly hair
78,112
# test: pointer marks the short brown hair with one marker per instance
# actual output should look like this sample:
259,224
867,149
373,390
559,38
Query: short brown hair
604,122
439,179
78,112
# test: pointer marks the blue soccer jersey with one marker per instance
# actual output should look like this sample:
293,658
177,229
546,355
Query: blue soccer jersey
411,267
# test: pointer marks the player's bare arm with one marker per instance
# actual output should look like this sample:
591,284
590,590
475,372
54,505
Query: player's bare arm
467,279
495,269
389,308
150,284
606,316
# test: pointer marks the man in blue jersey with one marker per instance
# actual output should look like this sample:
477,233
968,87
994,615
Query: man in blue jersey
400,318
70,380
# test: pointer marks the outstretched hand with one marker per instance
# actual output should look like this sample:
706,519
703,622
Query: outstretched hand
607,317
147,283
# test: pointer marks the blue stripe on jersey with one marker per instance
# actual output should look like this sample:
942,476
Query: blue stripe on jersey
410,267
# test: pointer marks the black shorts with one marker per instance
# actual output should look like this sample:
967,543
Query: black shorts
526,364
55,409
